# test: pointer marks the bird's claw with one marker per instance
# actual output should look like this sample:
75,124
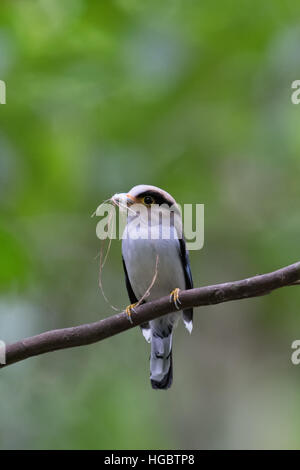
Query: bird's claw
174,297
129,310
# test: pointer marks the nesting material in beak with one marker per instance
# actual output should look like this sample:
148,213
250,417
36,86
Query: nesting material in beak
122,200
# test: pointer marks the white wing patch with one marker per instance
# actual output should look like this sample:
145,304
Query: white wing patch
189,326
147,333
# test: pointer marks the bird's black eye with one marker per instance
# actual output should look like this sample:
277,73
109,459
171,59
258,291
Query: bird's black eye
148,200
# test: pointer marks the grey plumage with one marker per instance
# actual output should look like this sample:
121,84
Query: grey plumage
161,363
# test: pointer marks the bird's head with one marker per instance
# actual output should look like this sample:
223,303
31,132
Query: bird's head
152,200
146,195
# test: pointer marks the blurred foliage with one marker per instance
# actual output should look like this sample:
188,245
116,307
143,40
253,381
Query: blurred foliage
193,97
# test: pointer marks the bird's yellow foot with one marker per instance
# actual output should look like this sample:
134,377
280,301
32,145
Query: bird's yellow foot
174,297
129,310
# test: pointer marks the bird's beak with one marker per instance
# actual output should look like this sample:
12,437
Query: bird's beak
123,199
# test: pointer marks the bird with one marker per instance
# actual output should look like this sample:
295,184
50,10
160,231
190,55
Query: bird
155,266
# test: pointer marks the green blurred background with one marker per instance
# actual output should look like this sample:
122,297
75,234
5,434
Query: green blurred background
194,97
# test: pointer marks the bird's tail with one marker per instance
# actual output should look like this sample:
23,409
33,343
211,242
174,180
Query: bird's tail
161,367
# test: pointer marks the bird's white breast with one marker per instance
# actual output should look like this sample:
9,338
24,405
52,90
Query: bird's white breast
141,256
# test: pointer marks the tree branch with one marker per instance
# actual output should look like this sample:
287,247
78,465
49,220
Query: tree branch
94,332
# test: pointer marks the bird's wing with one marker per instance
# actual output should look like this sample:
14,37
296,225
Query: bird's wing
132,297
188,313
131,294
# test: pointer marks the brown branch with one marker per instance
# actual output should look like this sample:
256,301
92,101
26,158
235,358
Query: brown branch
94,332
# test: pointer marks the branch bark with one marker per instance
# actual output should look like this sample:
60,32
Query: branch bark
198,297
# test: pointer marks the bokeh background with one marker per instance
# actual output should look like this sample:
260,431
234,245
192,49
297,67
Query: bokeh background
194,97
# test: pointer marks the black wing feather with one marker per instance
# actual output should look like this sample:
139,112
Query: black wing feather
188,313
131,294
